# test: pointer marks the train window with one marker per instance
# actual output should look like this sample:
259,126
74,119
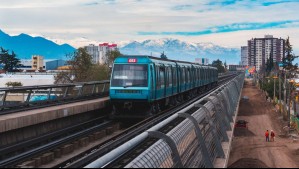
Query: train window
169,76
174,72
130,76
187,75
158,83
182,75
162,76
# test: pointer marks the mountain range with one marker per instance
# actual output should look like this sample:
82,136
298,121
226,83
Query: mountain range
180,50
25,46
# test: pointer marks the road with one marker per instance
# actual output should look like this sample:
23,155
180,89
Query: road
249,147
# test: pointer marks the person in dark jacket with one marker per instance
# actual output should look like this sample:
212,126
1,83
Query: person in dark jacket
272,135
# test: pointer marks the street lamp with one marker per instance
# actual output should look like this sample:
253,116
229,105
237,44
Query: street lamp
274,97
279,81
291,83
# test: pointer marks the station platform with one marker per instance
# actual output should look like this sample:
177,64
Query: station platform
32,117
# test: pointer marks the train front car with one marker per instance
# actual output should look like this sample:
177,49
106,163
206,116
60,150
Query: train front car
129,87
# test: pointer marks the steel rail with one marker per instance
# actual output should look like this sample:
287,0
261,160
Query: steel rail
106,159
10,162
130,133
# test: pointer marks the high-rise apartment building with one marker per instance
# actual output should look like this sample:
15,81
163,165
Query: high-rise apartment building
93,51
99,53
104,49
260,49
37,62
244,56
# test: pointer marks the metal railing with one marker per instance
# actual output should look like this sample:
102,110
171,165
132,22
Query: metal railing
193,143
15,98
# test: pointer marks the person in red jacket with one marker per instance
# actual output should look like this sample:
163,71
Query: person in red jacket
267,136
272,135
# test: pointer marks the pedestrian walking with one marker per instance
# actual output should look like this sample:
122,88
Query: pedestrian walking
272,135
267,136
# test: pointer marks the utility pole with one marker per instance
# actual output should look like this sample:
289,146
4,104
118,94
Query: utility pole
279,92
274,99
289,110
285,95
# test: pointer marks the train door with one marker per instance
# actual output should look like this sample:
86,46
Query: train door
160,82
163,80
183,80
169,91
152,83
174,80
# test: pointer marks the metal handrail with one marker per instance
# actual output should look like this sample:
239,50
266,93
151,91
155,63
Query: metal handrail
218,122
14,99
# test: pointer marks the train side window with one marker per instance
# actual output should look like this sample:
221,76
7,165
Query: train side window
188,75
158,83
174,73
196,74
162,77
170,76
167,73
183,75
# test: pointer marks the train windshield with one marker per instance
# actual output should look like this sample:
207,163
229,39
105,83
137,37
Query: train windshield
130,76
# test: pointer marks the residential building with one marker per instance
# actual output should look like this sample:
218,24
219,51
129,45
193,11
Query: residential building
260,49
99,53
53,65
104,49
93,51
244,55
202,61
37,62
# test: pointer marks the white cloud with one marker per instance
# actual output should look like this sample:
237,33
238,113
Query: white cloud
104,20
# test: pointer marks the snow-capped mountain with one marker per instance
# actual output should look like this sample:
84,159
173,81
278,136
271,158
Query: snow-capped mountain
25,46
180,50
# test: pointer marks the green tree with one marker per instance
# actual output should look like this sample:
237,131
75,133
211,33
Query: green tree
163,56
269,65
82,69
80,64
289,57
112,55
10,61
219,65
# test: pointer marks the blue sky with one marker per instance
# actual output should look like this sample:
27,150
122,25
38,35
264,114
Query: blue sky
79,22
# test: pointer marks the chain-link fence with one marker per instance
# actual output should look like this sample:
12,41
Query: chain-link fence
196,142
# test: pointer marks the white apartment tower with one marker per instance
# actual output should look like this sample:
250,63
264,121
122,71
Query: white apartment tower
260,49
93,51
244,55
99,53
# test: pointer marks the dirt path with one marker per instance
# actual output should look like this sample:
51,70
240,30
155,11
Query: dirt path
249,148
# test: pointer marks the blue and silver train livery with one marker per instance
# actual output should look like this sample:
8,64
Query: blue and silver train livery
148,84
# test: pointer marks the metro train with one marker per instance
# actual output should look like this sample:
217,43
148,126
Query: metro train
146,84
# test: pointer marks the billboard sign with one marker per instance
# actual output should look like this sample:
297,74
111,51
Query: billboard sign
250,70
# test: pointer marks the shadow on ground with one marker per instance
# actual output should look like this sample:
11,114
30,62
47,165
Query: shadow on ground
243,132
248,163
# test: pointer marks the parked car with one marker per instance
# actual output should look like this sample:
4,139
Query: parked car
241,124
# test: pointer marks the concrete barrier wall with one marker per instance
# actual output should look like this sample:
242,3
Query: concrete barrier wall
202,140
